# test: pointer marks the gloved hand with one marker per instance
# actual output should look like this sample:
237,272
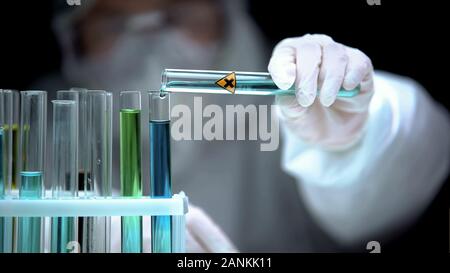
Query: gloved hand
316,62
203,235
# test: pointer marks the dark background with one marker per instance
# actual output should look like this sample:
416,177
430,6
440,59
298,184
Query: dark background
404,37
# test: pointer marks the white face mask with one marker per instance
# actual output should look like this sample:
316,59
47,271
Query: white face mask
188,54
136,60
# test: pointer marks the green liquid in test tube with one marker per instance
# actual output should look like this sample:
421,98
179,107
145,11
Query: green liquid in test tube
130,166
33,127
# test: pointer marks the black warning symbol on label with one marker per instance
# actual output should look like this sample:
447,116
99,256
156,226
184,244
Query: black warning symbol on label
228,82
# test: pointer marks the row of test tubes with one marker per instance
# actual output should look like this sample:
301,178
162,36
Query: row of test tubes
81,160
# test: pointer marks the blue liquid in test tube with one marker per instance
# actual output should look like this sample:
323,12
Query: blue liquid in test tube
161,186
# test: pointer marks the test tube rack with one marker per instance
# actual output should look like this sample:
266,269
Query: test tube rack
177,207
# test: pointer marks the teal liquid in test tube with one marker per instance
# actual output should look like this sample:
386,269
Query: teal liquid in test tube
227,82
130,166
33,133
33,127
65,171
160,173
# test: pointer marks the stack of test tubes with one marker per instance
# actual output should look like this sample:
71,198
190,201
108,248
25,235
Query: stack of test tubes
81,174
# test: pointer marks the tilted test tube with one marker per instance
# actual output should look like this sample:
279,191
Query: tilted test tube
228,82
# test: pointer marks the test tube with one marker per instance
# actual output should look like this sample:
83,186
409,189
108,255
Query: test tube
78,95
160,174
33,127
130,166
65,170
2,167
6,158
98,166
227,82
15,138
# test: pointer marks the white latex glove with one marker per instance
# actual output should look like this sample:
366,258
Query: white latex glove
203,235
316,62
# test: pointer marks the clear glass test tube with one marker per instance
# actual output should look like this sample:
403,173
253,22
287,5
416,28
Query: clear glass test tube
6,160
2,179
2,166
160,173
82,134
33,127
77,95
130,166
15,139
227,82
7,110
98,166
64,170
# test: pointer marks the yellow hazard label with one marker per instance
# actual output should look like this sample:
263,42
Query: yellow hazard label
228,82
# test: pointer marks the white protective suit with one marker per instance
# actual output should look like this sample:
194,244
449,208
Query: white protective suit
330,198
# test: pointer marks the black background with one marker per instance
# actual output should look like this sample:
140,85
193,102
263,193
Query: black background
404,37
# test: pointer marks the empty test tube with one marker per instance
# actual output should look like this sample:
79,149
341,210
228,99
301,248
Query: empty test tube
160,174
227,82
65,170
15,138
130,166
33,127
98,167
78,95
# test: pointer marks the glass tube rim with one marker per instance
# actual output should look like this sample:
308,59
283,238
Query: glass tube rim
34,92
67,90
31,173
64,102
96,91
130,100
9,90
